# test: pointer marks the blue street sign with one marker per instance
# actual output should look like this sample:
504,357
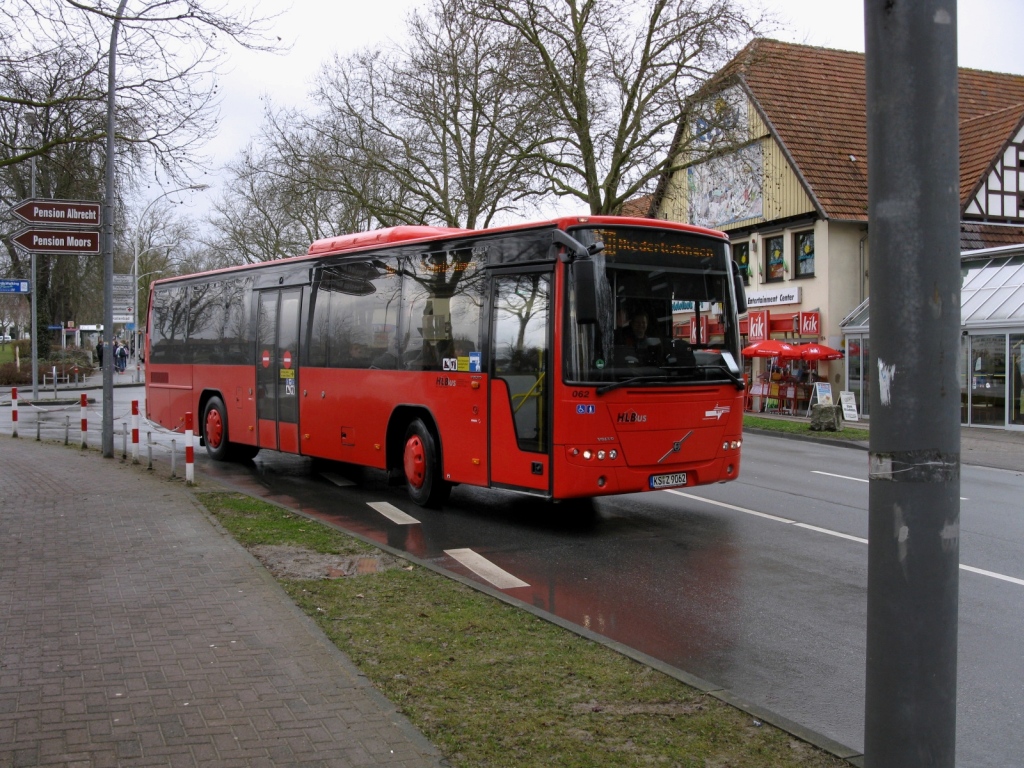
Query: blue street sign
14,286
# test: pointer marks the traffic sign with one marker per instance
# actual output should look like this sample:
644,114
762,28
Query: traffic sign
58,241
58,213
14,286
123,290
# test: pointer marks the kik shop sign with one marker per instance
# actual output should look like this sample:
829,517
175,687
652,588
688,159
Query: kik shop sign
760,325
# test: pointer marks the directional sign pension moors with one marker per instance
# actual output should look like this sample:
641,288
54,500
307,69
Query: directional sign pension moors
58,241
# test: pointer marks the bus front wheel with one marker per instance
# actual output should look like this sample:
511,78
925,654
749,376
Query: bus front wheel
422,470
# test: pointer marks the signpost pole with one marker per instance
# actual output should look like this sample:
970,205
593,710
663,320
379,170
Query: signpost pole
35,319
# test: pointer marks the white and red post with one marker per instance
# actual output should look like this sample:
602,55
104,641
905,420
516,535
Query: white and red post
135,431
14,411
190,470
85,421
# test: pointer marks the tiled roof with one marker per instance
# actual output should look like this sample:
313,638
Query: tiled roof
975,236
815,99
640,207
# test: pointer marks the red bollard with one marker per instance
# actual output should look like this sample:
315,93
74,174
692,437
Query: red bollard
190,472
14,411
85,421
135,431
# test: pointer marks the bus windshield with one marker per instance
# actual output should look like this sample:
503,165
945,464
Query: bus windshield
666,311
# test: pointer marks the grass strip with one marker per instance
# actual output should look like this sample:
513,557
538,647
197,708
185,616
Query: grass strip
491,685
802,428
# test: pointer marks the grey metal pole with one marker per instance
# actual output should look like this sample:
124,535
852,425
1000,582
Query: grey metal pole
914,519
107,438
35,291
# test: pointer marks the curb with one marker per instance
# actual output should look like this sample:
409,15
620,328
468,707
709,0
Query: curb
858,444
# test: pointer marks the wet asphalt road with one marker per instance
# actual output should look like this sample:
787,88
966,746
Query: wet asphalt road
758,585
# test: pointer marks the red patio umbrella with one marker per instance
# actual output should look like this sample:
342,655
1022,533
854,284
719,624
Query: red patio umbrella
772,348
815,352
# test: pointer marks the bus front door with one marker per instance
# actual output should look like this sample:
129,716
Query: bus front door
277,369
520,353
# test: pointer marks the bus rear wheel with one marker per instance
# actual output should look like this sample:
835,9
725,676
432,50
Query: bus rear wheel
422,470
215,429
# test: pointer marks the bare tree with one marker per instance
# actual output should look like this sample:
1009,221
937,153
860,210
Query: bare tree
446,127
275,203
53,56
170,51
620,78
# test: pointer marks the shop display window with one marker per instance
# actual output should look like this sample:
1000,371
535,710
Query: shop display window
775,264
804,247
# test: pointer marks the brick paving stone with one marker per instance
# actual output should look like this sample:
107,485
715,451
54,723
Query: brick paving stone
133,632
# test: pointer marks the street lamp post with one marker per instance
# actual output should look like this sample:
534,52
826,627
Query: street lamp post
135,264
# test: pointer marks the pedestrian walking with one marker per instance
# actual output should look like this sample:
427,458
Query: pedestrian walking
122,358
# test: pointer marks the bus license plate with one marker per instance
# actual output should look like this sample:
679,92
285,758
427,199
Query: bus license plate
668,481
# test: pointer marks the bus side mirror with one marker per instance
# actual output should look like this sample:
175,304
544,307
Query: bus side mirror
584,289
738,290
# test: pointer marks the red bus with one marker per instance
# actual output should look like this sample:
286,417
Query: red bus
512,358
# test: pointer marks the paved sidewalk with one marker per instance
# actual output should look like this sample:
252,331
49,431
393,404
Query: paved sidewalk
133,631
979,446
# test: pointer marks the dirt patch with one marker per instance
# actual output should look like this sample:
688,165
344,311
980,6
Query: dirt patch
287,562
669,709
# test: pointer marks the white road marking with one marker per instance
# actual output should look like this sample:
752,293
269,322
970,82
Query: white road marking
393,513
338,480
841,477
485,569
807,526
730,506
991,574
855,479
831,533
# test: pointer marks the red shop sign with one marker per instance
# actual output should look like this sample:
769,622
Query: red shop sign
757,325
810,324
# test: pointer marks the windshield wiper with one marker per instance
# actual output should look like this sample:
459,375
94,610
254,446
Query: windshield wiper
627,382
731,376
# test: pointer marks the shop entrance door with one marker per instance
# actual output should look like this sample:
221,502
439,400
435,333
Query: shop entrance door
1016,378
987,375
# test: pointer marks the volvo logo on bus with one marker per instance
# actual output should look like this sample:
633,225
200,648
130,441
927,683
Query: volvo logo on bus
632,417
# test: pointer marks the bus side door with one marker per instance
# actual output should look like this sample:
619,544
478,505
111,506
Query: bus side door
520,386
277,369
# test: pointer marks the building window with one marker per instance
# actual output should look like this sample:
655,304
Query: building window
741,255
775,265
804,247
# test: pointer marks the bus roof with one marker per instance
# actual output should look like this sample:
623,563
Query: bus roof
358,240
407,234
380,237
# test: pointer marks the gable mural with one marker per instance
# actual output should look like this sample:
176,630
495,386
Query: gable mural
726,189
1001,196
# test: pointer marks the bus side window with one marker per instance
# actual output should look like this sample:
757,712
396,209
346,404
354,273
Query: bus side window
442,300
355,315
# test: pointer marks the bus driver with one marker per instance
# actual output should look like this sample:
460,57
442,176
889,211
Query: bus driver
635,345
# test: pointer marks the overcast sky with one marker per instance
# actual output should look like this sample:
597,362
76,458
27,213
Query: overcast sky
989,38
